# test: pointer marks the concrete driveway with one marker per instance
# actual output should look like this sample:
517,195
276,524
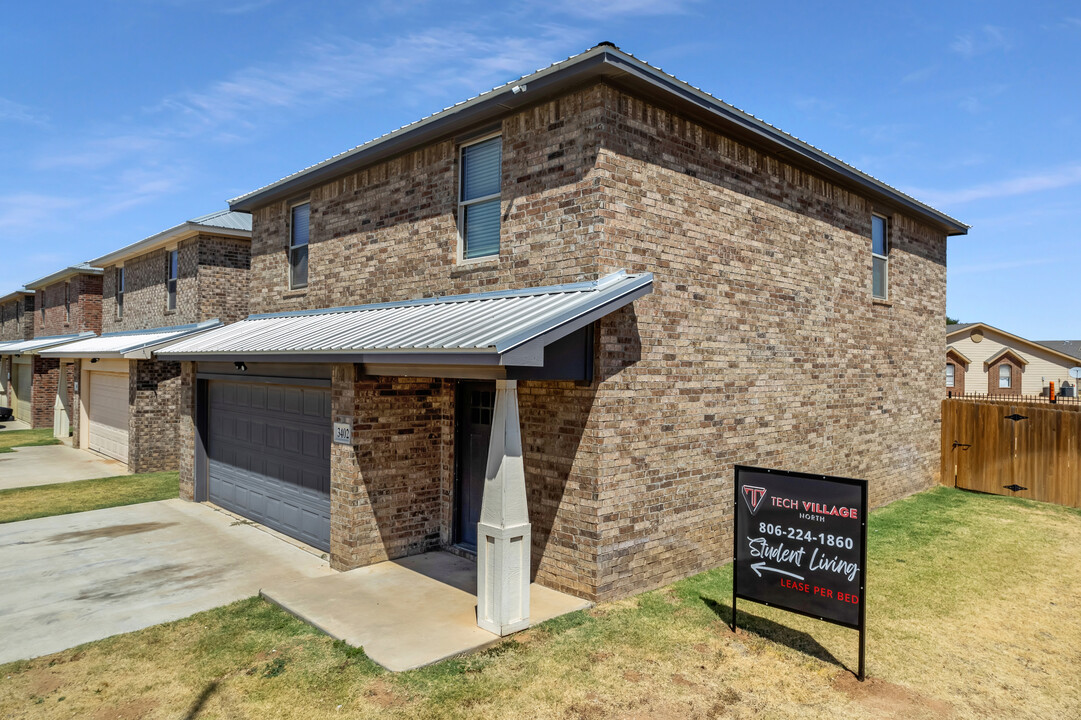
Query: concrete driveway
75,578
49,464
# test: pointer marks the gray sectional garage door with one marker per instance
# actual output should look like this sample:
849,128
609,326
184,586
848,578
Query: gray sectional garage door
269,456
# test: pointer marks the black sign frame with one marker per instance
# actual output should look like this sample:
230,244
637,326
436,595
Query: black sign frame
861,624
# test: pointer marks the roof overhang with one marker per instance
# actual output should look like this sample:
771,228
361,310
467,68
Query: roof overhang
129,345
14,296
498,329
65,274
33,347
604,63
169,237
1003,353
1016,338
958,355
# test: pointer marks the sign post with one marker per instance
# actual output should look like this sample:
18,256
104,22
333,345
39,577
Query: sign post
801,545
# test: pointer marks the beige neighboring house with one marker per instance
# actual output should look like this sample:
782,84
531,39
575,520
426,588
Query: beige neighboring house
981,359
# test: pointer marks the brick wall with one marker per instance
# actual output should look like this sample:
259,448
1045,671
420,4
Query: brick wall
224,265
959,371
43,391
84,294
153,415
1016,369
211,283
17,323
760,345
388,489
186,430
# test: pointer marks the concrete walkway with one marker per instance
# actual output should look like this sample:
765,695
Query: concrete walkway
10,425
407,613
49,464
71,579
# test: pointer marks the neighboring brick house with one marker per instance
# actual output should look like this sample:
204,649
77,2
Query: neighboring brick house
16,325
67,304
991,361
570,418
187,279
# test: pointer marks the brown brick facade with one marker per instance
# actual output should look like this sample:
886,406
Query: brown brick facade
760,344
153,415
17,319
1016,368
960,369
83,295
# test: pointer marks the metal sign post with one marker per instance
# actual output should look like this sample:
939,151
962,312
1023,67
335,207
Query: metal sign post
800,544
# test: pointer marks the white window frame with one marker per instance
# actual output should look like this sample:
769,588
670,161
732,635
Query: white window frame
463,204
120,293
172,284
290,246
67,302
885,259
1008,378
951,375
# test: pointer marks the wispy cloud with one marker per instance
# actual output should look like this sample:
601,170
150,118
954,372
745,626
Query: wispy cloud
919,75
25,211
1049,180
17,112
612,9
992,267
988,38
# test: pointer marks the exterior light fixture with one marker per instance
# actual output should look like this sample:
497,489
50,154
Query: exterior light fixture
240,366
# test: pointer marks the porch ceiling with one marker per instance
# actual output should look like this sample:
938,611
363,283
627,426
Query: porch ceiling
509,328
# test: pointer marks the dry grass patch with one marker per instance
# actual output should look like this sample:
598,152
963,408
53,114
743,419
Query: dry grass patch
973,613
82,495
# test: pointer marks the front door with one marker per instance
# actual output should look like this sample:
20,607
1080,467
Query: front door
475,403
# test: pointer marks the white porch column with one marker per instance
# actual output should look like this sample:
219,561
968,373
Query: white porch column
503,533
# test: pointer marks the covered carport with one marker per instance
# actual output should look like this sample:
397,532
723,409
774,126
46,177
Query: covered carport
22,368
501,337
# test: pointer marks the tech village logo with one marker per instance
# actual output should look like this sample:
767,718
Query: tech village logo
753,496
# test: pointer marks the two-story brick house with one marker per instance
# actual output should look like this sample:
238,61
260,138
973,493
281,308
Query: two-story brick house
66,306
176,283
544,324
16,325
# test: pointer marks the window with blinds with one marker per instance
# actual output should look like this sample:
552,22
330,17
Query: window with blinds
880,251
478,207
299,224
119,293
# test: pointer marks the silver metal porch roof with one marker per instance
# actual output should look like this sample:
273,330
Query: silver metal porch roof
497,328
133,344
23,347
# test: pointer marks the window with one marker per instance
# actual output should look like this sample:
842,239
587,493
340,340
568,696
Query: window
1004,375
880,249
67,302
478,206
299,228
950,370
170,283
119,293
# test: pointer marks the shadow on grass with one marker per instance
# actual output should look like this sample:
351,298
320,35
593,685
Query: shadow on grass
774,632
197,706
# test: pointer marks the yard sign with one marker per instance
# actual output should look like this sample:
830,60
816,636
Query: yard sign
801,545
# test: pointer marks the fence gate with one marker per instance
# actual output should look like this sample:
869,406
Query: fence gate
1018,449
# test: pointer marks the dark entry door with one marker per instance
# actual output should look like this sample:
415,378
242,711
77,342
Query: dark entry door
269,456
475,403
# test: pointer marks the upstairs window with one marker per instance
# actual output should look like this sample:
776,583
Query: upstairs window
119,293
478,205
1005,376
299,228
950,371
67,302
880,250
170,282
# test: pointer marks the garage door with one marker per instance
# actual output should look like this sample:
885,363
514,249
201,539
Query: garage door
21,378
269,456
108,414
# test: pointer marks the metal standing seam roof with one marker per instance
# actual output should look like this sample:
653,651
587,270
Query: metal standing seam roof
604,60
80,269
226,222
448,328
128,344
23,347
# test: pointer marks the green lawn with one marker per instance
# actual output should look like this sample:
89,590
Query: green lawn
81,495
25,438
974,611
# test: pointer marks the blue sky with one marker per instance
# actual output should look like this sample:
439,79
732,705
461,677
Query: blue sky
120,118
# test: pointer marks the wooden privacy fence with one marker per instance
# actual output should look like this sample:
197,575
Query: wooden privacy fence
1027,450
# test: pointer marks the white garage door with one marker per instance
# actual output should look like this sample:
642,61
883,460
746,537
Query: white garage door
108,412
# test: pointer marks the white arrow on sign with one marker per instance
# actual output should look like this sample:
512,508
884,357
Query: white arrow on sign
759,567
